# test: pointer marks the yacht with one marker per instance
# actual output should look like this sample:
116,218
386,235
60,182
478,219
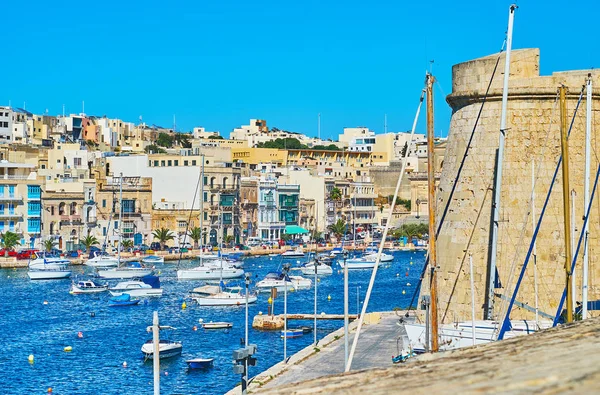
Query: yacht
275,280
86,287
221,296
133,270
209,272
101,259
322,269
295,253
166,349
148,286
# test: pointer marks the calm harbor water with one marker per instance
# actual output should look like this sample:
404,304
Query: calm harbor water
112,336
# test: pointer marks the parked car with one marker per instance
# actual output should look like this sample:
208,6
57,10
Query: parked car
10,253
155,245
26,254
72,254
95,249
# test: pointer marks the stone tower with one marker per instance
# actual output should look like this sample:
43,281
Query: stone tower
533,136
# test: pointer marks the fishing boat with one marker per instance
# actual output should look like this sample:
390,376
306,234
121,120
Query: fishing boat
48,274
296,252
153,259
322,269
292,333
221,296
200,363
277,280
300,282
146,286
122,300
166,349
132,270
86,287
357,263
217,325
102,259
209,273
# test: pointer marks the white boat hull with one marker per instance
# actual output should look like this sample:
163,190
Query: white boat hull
385,258
154,259
224,299
322,270
208,273
138,292
279,285
301,283
75,290
125,273
167,350
48,274
358,264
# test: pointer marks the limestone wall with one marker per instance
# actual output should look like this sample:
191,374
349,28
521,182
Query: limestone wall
533,135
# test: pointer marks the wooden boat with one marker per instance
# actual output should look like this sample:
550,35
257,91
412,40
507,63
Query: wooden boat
217,325
200,363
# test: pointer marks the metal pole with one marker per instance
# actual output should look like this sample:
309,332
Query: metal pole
499,165
431,201
345,312
285,277
533,224
120,219
472,298
156,355
573,286
245,376
358,301
202,212
566,197
315,310
586,196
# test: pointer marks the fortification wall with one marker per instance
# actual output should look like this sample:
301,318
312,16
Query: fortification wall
533,136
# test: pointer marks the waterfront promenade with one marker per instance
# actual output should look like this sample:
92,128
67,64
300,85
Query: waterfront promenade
375,349
562,360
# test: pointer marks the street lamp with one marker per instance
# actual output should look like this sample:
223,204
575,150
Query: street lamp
345,308
285,270
315,312
418,206
248,278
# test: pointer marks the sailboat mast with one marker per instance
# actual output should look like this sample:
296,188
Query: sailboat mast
202,211
499,165
120,217
566,198
431,201
586,195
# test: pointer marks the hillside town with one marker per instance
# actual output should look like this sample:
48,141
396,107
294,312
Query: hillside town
68,177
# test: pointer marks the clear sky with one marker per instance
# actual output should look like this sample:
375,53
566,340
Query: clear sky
219,63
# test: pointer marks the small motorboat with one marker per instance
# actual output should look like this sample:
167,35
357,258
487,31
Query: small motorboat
336,251
200,363
209,272
153,259
48,274
358,263
301,283
148,286
122,300
306,329
46,261
292,333
211,295
217,325
86,287
166,349
275,280
297,252
132,270
102,259
322,269
371,255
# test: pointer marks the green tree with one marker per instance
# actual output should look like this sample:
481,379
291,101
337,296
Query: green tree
196,235
286,143
335,194
229,239
127,243
88,242
155,149
330,147
164,140
9,241
183,140
338,228
163,235
48,245
404,149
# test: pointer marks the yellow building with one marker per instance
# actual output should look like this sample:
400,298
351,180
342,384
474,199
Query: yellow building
254,156
176,220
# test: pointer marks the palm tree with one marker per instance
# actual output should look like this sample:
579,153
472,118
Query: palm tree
335,194
48,245
229,239
9,241
88,242
196,235
163,235
338,228
127,243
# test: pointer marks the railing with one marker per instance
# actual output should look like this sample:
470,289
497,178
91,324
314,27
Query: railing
11,215
37,213
11,198
34,196
14,177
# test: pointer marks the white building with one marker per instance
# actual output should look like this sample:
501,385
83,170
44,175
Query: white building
106,133
6,124
202,133
269,225
351,134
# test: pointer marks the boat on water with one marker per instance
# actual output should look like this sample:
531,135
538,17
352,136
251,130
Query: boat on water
277,280
122,300
204,272
132,270
87,287
358,263
322,269
200,363
207,256
218,295
166,349
101,259
48,274
296,252
371,254
48,267
300,282
146,286
217,325
336,251
292,333
153,259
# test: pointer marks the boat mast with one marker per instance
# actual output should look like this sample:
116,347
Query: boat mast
201,211
533,223
499,164
120,217
431,205
586,195
566,198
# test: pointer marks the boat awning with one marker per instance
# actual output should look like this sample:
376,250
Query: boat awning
295,230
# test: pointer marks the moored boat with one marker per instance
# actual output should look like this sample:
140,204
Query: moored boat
222,296
86,287
322,269
122,300
217,325
101,259
153,259
292,333
48,274
297,252
146,286
275,280
200,363
166,349
209,273
133,270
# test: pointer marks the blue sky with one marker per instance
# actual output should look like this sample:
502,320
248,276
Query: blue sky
219,63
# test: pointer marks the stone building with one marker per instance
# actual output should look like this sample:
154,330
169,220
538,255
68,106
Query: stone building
179,221
532,141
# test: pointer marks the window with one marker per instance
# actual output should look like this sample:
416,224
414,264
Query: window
33,225
77,161
33,191
2,226
205,216
116,224
104,231
169,163
149,163
176,163
205,180
103,203
162,163
11,226
155,163
185,163
205,197
193,163
181,224
128,206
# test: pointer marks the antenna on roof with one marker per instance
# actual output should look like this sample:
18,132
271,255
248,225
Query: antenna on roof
174,124
384,123
319,127
82,107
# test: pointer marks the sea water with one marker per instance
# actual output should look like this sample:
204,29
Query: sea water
41,318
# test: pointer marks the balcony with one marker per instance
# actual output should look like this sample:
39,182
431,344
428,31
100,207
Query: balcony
34,214
128,231
91,221
11,198
8,215
74,219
